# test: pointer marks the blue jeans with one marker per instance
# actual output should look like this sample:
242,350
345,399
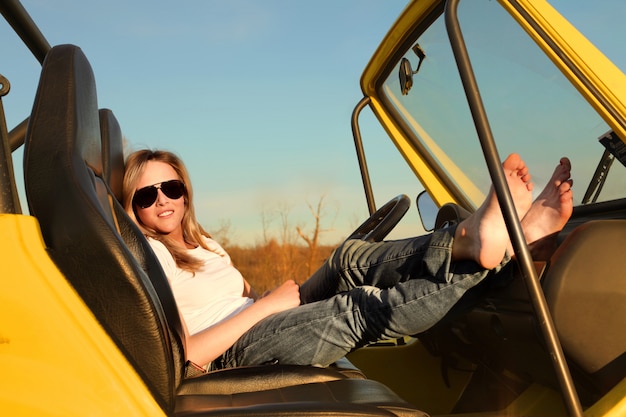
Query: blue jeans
364,292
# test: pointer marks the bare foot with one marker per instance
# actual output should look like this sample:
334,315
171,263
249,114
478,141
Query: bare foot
483,236
553,207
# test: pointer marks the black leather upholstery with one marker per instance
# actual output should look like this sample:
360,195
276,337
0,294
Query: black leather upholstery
112,152
107,260
113,173
586,292
62,168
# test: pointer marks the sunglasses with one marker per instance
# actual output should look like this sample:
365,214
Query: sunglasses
147,196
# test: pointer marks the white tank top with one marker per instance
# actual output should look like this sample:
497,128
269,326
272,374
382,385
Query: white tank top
213,294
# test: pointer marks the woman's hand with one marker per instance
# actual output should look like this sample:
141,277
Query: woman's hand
284,297
205,346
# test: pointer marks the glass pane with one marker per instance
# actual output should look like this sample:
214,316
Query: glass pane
531,106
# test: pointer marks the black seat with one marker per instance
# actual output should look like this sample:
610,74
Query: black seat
585,289
109,263
112,152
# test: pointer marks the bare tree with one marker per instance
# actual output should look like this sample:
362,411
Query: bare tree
312,240
280,255
286,233
265,223
287,264
223,234
277,255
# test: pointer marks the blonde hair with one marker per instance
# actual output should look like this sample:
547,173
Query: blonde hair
192,231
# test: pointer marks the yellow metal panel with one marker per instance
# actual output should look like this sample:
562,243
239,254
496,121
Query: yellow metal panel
390,44
612,404
413,373
54,356
411,17
431,182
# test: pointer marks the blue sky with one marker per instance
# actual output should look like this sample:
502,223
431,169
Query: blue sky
255,96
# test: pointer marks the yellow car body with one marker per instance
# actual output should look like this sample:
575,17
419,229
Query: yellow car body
440,159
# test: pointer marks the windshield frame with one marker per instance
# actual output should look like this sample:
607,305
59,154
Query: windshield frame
597,78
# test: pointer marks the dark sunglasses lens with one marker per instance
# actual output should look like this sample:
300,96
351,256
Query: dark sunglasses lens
173,189
145,197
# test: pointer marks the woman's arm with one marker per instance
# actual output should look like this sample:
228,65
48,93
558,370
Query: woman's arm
248,291
205,346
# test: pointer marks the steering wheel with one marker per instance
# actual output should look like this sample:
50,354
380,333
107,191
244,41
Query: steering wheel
383,220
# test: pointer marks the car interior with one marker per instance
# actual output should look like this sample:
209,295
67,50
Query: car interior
73,168
585,292
500,337
73,164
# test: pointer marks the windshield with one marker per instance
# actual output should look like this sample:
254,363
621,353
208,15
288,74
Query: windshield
531,106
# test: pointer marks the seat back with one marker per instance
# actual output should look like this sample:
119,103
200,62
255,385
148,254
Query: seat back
134,240
585,288
68,195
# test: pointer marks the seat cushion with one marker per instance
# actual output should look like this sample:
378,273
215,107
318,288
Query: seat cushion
258,378
346,396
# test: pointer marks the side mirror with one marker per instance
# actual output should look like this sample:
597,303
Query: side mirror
434,217
427,210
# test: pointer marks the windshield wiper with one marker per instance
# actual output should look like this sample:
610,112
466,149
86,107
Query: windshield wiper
614,149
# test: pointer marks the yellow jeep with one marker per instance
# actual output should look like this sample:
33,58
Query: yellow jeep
88,324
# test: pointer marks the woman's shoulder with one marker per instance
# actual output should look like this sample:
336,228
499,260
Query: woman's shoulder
155,243
211,244
159,248
166,259
215,247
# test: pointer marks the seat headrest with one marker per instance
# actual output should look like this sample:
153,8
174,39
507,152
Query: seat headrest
66,73
112,152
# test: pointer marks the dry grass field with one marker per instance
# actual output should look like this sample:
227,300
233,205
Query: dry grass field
267,266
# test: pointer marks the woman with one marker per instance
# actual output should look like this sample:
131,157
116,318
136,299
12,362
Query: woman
364,292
